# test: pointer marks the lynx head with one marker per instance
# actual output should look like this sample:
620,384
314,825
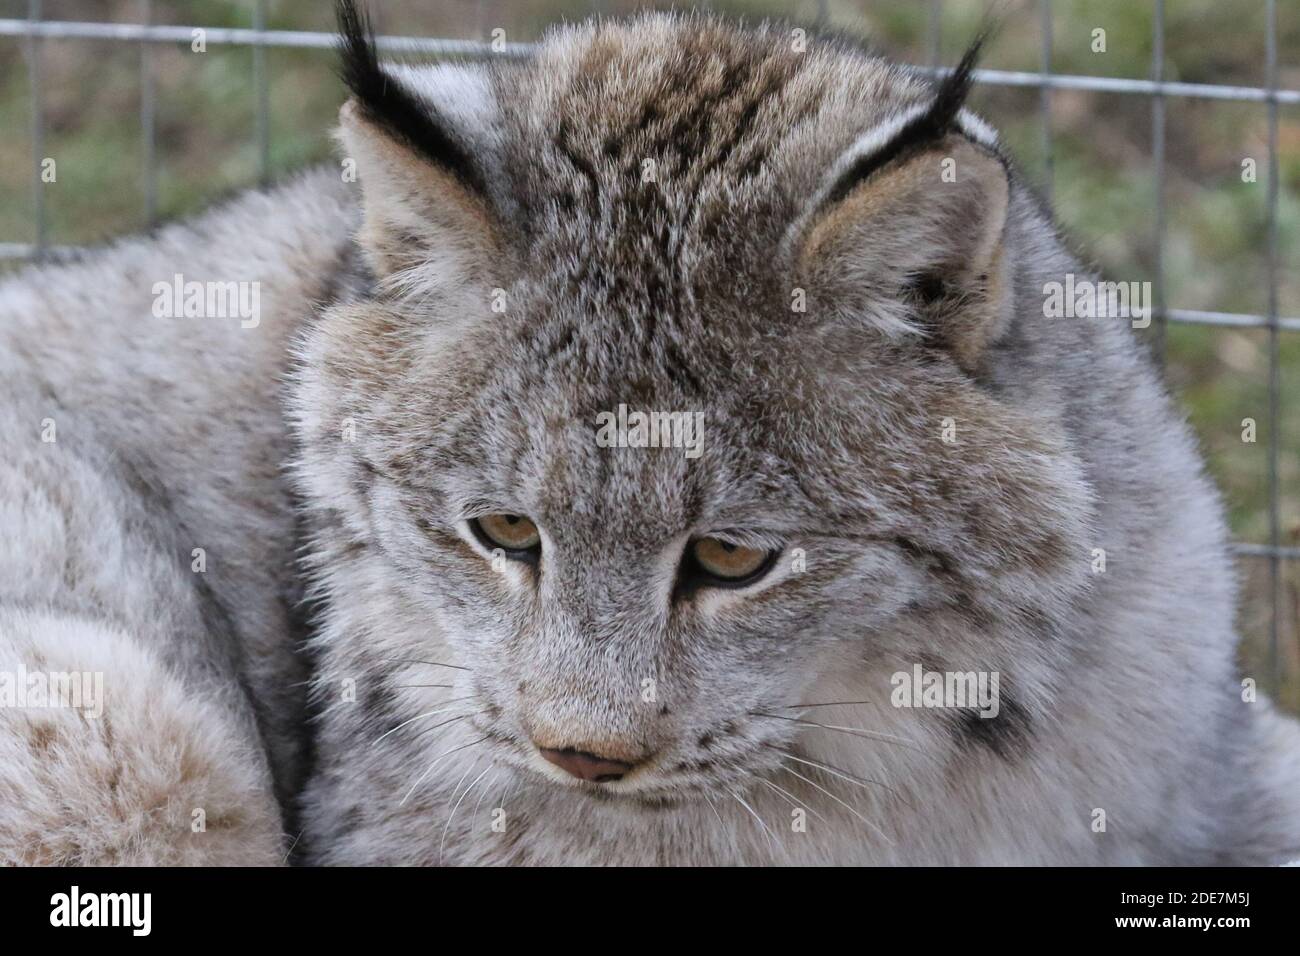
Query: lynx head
671,403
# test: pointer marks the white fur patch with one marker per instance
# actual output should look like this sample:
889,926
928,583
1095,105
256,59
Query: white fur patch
458,92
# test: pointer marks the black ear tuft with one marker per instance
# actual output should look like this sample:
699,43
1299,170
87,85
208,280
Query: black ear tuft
388,104
925,128
952,93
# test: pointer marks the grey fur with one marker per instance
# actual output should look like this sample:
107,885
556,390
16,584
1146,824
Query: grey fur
823,433
167,439
417,406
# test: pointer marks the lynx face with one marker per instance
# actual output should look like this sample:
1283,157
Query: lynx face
816,299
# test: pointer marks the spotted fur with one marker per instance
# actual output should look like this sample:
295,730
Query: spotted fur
655,217
654,194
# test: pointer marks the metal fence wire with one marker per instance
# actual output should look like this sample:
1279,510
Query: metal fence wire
35,29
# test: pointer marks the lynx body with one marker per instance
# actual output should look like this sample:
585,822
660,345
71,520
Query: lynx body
823,260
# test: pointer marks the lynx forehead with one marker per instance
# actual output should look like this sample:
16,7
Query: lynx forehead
655,168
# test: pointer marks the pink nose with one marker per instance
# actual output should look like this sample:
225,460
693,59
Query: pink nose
586,766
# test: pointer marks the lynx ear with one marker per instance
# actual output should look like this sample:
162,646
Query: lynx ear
907,233
424,195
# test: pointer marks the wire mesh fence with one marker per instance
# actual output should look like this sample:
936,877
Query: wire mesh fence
35,29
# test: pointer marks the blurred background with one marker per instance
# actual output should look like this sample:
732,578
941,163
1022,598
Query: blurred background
1200,229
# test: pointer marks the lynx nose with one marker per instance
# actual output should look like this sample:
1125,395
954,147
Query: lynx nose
586,766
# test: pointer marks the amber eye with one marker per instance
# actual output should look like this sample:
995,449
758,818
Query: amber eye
514,534
721,563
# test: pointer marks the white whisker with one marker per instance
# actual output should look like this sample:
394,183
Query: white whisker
487,788
456,787
857,731
841,803
714,806
452,816
741,800
434,764
860,781
791,798
432,713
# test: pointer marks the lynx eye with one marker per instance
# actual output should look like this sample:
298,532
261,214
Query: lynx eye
516,535
722,564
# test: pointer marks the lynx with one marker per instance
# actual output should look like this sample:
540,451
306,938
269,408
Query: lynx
530,645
